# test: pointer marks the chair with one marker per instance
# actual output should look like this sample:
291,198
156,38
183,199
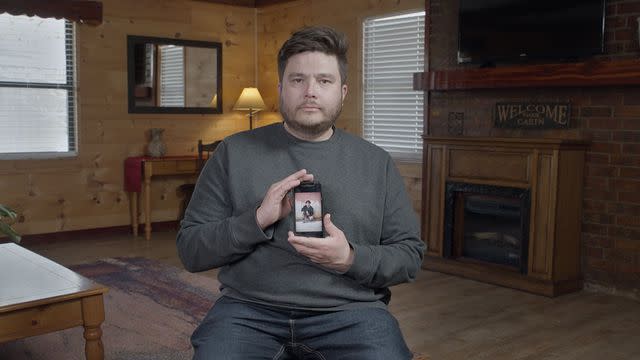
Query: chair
187,189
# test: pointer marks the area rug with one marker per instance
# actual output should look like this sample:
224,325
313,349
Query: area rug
151,310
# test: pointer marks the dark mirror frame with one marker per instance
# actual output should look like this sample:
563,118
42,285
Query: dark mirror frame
133,40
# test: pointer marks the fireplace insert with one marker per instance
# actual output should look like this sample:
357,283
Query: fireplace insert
487,223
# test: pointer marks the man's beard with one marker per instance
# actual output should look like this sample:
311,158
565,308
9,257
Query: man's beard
314,129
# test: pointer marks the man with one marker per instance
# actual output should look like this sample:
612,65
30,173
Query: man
292,297
307,211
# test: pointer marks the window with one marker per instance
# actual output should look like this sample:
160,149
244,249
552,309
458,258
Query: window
37,92
393,111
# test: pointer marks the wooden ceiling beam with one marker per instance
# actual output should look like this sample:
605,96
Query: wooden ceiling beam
263,3
243,3
247,3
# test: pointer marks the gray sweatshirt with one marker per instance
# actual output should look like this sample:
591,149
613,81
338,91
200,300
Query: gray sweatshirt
361,189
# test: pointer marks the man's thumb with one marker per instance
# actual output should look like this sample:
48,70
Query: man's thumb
328,225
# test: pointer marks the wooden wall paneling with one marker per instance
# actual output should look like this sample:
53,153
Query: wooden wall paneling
412,176
86,191
102,98
201,82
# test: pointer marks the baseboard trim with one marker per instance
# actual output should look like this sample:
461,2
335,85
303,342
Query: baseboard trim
74,235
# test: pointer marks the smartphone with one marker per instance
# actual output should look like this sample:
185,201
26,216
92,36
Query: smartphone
308,209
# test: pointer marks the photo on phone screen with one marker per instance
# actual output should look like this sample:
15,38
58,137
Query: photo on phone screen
308,210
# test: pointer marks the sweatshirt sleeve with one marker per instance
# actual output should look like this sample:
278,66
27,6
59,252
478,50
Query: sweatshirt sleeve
212,234
399,255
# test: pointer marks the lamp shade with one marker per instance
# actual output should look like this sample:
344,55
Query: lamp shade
250,99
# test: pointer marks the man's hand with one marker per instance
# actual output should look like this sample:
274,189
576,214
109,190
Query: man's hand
275,204
332,252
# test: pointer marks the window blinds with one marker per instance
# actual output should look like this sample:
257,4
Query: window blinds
171,75
393,111
37,94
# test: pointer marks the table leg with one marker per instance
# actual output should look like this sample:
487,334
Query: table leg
93,316
147,207
134,212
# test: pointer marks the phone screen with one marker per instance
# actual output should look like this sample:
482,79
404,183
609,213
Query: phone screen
308,210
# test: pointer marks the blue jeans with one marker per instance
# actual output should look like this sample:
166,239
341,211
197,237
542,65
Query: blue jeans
235,329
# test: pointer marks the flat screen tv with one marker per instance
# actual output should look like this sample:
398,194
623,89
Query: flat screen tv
493,31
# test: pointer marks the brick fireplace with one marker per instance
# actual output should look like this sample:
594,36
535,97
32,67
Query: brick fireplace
604,93
505,210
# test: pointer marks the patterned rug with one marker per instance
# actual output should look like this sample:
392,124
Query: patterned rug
151,310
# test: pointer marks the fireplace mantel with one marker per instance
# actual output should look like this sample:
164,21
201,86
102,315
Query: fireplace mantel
551,169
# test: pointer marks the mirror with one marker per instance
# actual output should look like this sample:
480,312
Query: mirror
174,76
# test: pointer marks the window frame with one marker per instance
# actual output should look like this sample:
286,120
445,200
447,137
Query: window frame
408,157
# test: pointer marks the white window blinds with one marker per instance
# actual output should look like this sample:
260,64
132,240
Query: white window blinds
171,75
393,111
37,94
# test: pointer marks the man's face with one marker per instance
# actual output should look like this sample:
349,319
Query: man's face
311,94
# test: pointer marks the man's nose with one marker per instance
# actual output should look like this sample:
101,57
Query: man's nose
311,89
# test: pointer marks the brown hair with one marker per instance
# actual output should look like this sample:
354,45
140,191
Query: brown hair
315,38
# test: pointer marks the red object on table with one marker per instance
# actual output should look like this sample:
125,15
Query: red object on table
133,169
133,173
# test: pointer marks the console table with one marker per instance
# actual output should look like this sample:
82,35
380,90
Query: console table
142,169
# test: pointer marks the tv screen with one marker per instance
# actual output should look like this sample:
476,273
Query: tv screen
492,31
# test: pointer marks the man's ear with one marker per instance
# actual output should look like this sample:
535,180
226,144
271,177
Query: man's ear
344,91
279,88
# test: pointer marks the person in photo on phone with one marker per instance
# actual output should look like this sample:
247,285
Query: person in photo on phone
285,296
307,212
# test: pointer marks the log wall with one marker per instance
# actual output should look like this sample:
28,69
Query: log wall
86,191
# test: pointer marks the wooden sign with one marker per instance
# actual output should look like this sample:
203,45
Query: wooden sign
532,115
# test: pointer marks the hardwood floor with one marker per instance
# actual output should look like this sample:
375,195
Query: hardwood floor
448,317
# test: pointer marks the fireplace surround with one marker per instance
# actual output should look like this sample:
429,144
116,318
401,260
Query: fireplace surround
521,200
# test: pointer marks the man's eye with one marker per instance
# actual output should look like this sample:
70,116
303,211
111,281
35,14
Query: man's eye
325,81
296,80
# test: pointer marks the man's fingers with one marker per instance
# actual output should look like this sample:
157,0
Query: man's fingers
298,175
291,181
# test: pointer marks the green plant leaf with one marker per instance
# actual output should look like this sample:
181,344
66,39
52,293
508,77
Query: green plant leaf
7,212
8,230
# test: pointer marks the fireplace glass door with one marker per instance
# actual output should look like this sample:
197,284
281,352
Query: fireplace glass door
487,224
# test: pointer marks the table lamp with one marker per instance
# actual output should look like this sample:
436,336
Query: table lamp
250,100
